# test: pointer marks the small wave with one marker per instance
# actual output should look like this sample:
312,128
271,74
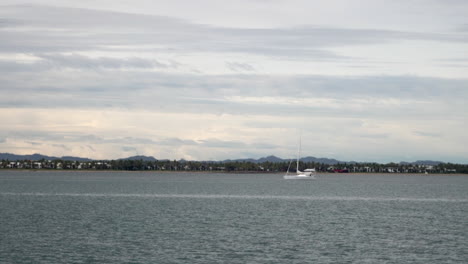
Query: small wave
229,196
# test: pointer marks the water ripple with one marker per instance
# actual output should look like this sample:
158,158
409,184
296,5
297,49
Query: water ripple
229,196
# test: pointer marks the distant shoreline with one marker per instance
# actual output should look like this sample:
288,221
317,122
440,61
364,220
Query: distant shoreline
226,172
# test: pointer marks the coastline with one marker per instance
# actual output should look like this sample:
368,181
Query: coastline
221,172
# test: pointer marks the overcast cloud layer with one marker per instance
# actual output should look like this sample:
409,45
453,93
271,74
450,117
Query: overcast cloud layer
362,80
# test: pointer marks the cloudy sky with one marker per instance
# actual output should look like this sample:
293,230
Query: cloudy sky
364,80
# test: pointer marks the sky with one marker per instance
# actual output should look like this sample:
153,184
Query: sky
356,80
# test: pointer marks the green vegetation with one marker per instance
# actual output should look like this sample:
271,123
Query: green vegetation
231,166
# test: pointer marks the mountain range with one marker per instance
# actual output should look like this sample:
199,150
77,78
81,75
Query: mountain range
273,159
36,156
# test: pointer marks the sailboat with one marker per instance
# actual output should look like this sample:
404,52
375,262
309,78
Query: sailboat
307,174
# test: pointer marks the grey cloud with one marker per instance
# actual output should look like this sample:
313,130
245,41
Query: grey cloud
460,62
54,29
77,61
211,143
58,137
119,140
10,22
88,138
76,18
427,134
129,149
90,148
453,65
72,137
176,142
62,146
240,67
214,143
7,66
136,141
463,28
373,136
74,61
264,146
131,140
351,96
231,144
454,60
62,138
32,136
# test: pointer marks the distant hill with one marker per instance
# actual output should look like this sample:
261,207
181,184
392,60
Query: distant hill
305,159
71,158
324,160
14,157
260,160
36,156
273,159
140,157
423,162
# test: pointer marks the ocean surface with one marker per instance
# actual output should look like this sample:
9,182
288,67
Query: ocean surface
140,217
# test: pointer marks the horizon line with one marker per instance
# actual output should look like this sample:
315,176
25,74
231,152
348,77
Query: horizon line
231,159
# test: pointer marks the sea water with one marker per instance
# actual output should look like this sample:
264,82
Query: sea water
140,217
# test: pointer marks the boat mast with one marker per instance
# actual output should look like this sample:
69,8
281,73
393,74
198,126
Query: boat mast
298,154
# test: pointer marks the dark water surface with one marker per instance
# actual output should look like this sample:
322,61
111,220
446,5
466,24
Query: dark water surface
124,217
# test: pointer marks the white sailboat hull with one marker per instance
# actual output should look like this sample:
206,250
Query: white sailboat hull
299,177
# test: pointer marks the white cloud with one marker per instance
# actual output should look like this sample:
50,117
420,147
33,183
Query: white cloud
189,83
